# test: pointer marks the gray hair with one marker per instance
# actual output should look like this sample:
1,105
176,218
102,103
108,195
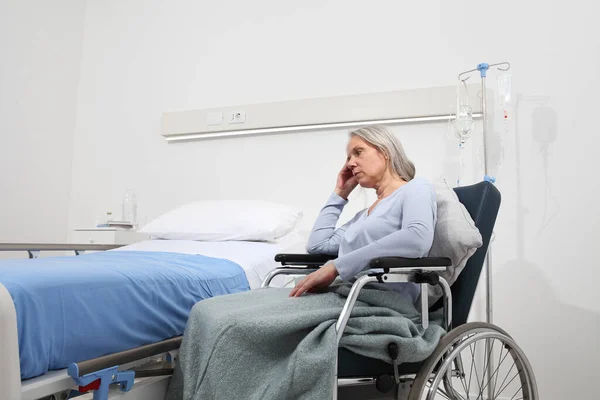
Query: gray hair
381,138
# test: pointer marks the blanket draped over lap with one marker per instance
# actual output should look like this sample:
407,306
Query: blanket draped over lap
263,344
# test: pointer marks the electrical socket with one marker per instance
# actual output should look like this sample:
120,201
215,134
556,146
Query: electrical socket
236,117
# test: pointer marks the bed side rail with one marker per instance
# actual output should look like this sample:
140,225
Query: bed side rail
82,368
34,249
99,373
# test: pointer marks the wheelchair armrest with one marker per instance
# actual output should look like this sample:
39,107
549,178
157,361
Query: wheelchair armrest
402,262
297,264
422,270
312,260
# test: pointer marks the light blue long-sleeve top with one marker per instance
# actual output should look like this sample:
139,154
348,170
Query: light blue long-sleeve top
401,225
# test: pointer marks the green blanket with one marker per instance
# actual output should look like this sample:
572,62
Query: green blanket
263,344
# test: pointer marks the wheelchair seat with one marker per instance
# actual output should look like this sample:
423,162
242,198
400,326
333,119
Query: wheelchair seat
352,365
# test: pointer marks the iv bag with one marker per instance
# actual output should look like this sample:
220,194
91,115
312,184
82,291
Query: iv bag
504,87
464,121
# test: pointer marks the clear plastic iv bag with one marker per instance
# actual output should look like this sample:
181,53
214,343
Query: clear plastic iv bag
504,88
464,121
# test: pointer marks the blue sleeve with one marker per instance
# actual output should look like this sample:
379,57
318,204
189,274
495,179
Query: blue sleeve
324,237
413,240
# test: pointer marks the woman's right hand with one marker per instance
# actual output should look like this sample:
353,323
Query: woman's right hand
346,182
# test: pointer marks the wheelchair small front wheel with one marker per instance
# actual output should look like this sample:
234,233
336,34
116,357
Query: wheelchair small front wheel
475,361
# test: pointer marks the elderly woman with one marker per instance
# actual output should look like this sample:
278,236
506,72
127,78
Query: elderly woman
399,223
277,343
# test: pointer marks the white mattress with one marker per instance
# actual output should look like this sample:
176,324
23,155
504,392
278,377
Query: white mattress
256,258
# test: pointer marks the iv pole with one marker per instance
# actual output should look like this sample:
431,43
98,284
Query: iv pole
483,68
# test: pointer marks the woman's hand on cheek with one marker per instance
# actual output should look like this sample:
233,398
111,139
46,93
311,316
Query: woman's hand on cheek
320,279
346,182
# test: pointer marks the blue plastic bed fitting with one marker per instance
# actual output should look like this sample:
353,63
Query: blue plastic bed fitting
100,381
482,68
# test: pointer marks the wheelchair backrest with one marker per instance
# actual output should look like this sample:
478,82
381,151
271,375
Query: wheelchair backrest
482,200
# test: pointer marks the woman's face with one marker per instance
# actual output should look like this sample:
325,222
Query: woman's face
367,163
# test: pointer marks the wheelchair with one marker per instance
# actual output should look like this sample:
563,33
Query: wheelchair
473,360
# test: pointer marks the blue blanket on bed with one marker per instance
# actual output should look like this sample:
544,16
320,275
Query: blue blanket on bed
75,308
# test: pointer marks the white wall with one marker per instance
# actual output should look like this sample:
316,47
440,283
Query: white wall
40,54
141,58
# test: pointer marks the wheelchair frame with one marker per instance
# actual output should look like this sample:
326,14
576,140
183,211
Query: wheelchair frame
422,271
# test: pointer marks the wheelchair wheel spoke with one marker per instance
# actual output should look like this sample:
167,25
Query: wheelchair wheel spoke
471,373
479,382
462,380
506,376
474,363
487,356
488,375
496,372
486,361
518,390
509,382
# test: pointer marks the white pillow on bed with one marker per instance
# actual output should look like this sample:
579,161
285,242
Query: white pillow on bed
225,220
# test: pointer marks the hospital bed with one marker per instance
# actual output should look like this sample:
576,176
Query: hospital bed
113,309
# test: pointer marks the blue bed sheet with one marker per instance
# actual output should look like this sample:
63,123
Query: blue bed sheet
75,308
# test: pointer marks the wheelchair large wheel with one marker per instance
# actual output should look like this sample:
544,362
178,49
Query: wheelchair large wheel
475,361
